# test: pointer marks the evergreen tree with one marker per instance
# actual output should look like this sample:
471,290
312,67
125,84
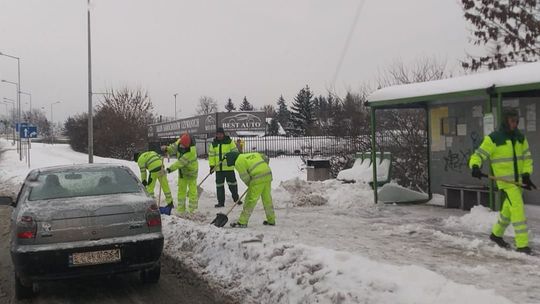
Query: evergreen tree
283,114
229,106
246,106
273,128
303,112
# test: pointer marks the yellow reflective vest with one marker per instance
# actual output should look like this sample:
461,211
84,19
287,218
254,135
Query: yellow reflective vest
509,156
253,168
150,161
217,150
186,160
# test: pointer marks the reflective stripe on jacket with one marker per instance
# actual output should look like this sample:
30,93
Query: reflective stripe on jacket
217,150
509,158
187,163
150,161
253,168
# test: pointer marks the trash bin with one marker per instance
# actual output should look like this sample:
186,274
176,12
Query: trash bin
318,169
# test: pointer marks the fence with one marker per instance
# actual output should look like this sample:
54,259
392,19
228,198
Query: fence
311,146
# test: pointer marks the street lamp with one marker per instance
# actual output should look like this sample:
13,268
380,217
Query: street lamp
29,95
12,102
175,94
18,94
90,110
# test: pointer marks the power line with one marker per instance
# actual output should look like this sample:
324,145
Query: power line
348,41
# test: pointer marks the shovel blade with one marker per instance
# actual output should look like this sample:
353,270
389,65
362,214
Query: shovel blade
220,220
200,190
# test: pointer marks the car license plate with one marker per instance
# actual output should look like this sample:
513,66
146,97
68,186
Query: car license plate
94,257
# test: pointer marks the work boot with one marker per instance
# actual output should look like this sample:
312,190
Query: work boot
238,225
239,203
526,250
166,210
267,223
219,205
499,241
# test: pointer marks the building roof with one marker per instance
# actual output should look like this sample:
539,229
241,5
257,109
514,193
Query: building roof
517,78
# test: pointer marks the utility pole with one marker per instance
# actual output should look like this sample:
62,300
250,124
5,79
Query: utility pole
175,105
90,110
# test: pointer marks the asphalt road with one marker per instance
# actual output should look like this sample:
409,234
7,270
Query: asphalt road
177,285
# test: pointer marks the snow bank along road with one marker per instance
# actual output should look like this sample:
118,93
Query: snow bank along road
333,245
177,284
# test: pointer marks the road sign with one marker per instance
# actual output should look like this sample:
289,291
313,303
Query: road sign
19,125
28,132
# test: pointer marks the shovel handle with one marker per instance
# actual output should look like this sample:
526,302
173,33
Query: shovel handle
209,173
236,203
504,180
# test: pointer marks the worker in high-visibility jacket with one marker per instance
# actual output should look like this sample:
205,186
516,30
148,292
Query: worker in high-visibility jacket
255,172
153,162
508,151
188,169
221,145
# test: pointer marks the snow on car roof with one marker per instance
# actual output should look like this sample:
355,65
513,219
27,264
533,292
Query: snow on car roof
76,167
518,75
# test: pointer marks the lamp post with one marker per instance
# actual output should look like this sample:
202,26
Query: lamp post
18,121
175,94
12,102
52,122
29,95
90,110
18,95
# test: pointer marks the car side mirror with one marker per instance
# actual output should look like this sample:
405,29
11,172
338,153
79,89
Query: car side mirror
6,201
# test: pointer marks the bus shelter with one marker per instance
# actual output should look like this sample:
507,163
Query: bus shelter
459,112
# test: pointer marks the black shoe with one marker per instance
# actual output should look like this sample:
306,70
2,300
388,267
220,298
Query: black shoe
219,205
268,223
526,250
499,241
238,225
239,203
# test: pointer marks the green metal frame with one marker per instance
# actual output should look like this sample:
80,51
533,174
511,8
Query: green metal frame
412,101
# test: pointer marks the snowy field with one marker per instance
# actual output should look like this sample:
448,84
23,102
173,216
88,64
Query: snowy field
332,244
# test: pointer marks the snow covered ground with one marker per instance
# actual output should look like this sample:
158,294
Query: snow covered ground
333,245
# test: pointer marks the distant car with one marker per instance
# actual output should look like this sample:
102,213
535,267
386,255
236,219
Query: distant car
83,220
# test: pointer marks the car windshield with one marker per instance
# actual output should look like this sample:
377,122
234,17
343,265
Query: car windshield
83,182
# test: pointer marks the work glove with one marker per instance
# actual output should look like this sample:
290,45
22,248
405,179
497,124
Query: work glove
476,172
212,169
144,183
527,182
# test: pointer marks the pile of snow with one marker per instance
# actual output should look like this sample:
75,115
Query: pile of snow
436,200
394,193
259,270
480,219
300,193
362,171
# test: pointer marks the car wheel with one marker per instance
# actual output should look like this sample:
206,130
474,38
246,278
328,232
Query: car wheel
23,291
151,276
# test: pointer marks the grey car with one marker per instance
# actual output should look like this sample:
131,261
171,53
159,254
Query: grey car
83,220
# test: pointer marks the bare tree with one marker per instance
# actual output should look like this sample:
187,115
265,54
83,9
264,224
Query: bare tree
510,29
269,110
207,105
403,132
421,70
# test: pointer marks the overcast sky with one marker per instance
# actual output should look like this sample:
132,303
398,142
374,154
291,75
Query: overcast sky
218,48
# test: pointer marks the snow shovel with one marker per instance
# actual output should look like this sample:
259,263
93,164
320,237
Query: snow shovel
200,189
505,180
222,219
